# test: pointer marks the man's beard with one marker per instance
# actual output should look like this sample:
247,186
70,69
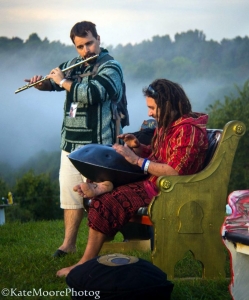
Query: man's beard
89,55
92,61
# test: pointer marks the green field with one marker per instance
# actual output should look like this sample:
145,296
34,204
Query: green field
26,264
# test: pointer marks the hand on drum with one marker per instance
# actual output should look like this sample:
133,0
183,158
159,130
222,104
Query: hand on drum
127,153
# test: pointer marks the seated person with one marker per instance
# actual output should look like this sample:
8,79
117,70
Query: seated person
178,147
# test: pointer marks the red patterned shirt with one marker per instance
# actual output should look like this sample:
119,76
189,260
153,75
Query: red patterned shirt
185,145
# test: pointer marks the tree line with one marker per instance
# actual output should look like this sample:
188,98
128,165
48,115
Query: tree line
35,185
187,57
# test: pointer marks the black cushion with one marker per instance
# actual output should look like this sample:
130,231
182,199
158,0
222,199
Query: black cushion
214,136
118,276
144,136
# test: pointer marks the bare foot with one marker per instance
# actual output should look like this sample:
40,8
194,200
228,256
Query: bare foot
89,190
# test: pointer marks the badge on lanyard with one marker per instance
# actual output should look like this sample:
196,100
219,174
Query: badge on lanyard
73,109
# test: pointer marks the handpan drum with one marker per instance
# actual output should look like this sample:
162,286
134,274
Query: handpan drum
101,162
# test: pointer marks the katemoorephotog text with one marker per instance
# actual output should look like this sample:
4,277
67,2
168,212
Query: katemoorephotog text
14,292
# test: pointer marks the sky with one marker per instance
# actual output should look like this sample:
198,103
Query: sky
126,21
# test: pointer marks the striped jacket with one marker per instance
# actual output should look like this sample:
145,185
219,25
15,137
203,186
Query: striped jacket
87,108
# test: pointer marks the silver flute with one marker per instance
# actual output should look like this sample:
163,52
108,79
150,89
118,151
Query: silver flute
27,86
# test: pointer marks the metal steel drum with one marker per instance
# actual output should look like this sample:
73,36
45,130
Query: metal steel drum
101,162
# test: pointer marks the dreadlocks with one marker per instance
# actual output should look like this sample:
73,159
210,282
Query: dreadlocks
172,102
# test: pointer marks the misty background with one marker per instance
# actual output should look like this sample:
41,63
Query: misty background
31,120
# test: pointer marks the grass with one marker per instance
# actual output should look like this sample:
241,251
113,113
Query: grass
26,263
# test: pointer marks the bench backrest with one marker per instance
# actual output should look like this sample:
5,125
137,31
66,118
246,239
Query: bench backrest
214,136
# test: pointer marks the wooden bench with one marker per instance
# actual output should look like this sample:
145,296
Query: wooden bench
189,210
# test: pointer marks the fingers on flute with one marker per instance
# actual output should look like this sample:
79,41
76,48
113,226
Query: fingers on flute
34,79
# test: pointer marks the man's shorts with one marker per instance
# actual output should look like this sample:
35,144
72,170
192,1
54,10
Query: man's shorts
69,177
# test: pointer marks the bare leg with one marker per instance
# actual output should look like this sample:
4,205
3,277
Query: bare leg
95,241
93,189
72,220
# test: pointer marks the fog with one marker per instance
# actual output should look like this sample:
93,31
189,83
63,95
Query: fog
31,120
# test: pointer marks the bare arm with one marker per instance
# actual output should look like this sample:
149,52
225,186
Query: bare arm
157,169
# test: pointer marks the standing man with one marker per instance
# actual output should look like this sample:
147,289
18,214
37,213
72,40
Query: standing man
88,116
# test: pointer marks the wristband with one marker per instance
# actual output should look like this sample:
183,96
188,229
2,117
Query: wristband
144,162
62,81
146,166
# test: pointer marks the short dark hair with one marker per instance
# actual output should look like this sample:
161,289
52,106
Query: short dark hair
81,29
